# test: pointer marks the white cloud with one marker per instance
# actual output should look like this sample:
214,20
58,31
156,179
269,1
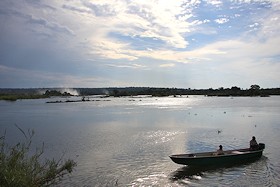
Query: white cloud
221,20
92,24
110,49
250,58
270,24
156,30
215,2
167,22
147,19
157,20
254,25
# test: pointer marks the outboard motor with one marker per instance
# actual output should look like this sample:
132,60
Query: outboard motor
261,145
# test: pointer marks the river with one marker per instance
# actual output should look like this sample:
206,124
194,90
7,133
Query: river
126,141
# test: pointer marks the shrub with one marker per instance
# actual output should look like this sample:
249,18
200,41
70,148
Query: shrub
20,166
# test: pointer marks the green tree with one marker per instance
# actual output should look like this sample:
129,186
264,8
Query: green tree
254,90
255,87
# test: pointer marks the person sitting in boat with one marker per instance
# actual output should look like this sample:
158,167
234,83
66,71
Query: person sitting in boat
253,144
220,150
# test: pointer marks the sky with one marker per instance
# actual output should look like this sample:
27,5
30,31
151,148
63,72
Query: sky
151,43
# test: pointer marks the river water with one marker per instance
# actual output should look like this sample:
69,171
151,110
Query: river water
126,141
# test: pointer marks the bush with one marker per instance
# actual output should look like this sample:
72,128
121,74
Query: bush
19,166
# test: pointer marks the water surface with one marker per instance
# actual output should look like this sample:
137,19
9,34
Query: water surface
126,141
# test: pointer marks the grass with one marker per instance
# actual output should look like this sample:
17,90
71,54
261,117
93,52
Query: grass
21,167
13,97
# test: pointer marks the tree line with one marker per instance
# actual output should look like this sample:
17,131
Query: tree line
254,90
34,93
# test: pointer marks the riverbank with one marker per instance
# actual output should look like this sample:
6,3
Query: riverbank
37,93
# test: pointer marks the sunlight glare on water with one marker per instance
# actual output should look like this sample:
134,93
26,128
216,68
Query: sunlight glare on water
169,102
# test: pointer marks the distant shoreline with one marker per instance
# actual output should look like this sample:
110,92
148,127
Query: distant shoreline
13,94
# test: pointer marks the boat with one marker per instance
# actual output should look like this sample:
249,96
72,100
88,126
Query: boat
212,158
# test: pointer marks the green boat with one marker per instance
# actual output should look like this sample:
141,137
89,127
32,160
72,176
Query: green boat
212,158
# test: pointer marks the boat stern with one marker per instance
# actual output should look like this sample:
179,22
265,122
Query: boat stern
261,146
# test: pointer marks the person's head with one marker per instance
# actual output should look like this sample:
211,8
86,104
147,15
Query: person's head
253,138
221,147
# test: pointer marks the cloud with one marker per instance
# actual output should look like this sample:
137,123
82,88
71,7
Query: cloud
49,25
215,2
221,20
136,36
36,78
76,9
247,61
254,25
145,19
167,65
111,49
33,20
269,22
160,24
133,66
39,4
101,9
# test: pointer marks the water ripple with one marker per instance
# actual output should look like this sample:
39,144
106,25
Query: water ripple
161,136
156,179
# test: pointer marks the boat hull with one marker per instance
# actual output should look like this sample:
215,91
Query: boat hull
232,157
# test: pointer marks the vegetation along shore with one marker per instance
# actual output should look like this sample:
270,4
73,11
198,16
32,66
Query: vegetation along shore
13,94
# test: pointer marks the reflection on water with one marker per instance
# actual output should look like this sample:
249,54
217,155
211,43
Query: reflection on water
127,141
150,180
160,136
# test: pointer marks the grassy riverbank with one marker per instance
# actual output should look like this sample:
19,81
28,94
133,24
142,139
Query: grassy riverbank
15,97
